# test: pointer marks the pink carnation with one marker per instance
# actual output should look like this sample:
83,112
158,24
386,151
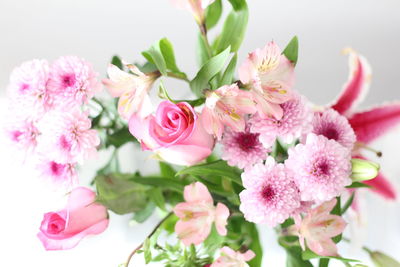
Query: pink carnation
242,149
295,121
73,81
321,166
270,196
334,126
67,137
27,88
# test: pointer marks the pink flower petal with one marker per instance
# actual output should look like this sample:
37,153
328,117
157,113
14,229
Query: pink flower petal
324,247
221,218
373,123
357,85
382,186
197,192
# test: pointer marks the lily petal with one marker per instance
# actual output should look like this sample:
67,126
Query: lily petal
357,86
373,123
381,185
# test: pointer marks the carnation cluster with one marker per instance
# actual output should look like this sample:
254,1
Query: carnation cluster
246,150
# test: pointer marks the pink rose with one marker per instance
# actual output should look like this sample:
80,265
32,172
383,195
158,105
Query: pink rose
81,217
175,134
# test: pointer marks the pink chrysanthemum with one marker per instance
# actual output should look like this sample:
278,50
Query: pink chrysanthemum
58,173
23,134
73,81
295,121
242,149
27,89
321,168
67,137
334,126
270,196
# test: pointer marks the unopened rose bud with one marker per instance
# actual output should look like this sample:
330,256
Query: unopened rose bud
382,260
363,170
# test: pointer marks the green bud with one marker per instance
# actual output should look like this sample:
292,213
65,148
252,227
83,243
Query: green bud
363,170
382,260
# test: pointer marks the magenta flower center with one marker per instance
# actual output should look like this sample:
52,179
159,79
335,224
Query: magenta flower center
15,135
330,132
56,169
56,224
24,87
268,193
64,143
68,80
320,168
247,141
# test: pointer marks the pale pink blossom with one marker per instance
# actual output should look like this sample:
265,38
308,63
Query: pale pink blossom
226,106
175,134
72,82
270,77
132,90
270,194
334,126
321,168
318,227
197,214
82,216
67,137
231,258
295,122
58,174
23,134
242,149
27,89
197,7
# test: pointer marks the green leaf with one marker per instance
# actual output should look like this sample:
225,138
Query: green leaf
211,68
308,255
292,50
213,242
120,195
337,211
358,185
116,60
238,4
159,182
348,203
157,197
163,94
382,260
147,250
142,215
216,168
229,73
202,53
167,52
166,170
255,246
234,28
154,55
213,14
120,138
169,224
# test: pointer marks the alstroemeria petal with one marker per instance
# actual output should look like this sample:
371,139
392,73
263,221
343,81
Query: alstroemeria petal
357,85
197,192
324,247
221,217
373,123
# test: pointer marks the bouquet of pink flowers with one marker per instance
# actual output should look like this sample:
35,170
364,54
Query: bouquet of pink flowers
244,151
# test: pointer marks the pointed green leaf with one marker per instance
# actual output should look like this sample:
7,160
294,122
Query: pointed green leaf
229,73
166,170
167,51
157,197
292,50
308,255
211,68
213,14
116,60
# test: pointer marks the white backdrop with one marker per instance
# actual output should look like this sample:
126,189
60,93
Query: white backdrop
97,29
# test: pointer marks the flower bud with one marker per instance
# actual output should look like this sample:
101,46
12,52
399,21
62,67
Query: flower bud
382,260
363,170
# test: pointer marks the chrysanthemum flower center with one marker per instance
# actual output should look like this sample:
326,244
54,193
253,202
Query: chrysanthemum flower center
24,87
320,168
247,141
330,133
68,80
268,193
55,168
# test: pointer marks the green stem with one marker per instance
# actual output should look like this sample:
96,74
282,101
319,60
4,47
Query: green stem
150,235
177,76
203,31
323,262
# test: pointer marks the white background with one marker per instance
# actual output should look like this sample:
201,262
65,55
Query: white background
97,29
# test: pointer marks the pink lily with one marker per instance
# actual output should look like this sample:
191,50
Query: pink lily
231,258
197,214
132,90
270,76
370,124
226,106
318,227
